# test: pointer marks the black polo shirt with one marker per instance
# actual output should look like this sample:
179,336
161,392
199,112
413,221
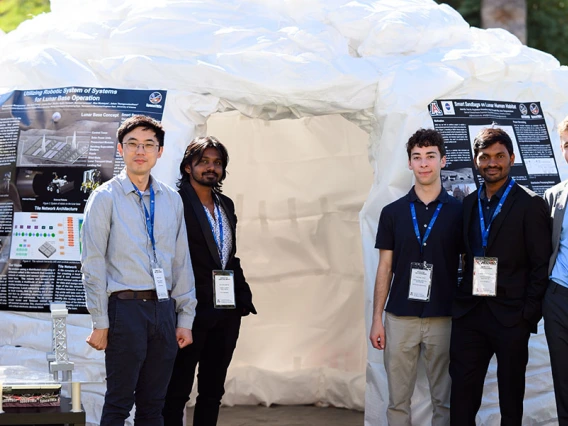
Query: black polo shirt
488,208
443,247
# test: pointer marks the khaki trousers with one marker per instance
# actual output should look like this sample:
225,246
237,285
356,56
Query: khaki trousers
406,339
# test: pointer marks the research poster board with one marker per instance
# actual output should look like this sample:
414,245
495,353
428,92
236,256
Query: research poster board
56,146
460,120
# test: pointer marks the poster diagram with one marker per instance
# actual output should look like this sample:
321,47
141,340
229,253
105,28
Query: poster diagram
53,149
460,120
56,146
41,236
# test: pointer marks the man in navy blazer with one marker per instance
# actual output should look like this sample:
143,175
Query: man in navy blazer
555,304
498,304
223,295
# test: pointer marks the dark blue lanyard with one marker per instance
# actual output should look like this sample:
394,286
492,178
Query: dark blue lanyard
220,221
421,241
149,216
484,230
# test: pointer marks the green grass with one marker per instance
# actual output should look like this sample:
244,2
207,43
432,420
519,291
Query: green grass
12,12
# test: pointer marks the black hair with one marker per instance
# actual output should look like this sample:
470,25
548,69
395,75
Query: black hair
491,136
147,123
194,153
426,137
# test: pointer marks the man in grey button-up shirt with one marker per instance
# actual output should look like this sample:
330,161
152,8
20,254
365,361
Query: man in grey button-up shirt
133,237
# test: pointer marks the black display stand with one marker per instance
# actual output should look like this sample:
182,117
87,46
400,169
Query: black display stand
40,416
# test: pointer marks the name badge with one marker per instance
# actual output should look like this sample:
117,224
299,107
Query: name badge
224,289
484,276
160,284
420,281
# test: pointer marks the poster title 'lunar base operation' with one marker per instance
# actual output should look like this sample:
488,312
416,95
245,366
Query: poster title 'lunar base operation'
56,146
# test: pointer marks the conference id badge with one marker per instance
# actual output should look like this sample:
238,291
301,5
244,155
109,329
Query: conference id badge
224,289
420,281
484,276
160,284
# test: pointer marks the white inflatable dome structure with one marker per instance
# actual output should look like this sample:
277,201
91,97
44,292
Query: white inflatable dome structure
315,100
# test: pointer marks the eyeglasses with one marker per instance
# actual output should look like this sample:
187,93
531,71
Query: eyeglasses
146,147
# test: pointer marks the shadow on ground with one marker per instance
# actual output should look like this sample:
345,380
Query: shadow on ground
285,415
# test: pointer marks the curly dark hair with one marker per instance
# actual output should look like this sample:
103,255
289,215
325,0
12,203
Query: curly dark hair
147,123
426,137
194,153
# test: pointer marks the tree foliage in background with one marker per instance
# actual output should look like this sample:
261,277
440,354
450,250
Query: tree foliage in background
546,26
547,29
12,12
469,9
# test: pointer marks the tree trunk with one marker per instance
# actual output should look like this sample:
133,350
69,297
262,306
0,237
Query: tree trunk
510,15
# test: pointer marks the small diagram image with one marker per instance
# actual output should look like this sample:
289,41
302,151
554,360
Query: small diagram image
458,175
91,180
44,188
42,236
4,253
458,183
55,149
60,185
47,249
4,249
5,185
462,190
49,183
28,180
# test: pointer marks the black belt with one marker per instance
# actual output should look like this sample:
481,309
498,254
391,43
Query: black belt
557,288
132,295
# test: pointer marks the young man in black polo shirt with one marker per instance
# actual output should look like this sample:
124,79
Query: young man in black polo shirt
419,242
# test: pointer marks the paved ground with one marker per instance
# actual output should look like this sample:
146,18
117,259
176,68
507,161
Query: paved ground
286,415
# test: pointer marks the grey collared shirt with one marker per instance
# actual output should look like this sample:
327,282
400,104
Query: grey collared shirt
117,252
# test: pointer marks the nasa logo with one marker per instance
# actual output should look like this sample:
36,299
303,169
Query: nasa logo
449,108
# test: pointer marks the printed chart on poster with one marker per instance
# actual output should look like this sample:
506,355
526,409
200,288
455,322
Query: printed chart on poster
56,146
460,120
40,236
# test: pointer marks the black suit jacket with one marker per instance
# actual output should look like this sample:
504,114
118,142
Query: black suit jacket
520,238
205,257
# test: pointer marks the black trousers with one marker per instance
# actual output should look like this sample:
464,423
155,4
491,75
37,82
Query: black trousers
139,359
555,310
476,337
214,341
